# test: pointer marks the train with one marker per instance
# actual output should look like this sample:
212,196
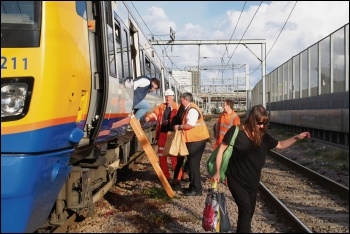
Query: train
65,106
310,91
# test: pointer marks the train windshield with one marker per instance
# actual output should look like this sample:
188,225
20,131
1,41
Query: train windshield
20,23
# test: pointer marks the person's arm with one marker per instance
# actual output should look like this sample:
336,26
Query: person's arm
190,122
290,141
141,83
184,126
218,161
153,116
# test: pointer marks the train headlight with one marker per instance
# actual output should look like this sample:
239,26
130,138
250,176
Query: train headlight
15,97
12,99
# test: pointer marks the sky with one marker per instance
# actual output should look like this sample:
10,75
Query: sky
288,28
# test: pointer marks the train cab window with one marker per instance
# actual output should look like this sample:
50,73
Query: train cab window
81,8
20,23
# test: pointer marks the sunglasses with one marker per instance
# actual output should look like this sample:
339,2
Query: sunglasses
260,123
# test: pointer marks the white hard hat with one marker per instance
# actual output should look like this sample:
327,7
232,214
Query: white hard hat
169,92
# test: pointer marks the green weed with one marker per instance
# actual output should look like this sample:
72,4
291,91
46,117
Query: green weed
157,193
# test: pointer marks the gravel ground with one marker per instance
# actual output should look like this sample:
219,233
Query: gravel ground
140,204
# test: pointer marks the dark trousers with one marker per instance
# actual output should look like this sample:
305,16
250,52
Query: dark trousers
192,165
180,161
246,202
196,150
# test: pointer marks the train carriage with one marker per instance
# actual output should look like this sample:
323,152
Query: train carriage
65,105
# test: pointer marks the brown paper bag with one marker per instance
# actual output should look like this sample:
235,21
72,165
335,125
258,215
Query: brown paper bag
175,144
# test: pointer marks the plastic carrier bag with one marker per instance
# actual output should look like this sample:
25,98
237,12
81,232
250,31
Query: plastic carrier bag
225,225
215,214
211,162
211,213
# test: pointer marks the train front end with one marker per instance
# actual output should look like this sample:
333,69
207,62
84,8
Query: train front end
44,88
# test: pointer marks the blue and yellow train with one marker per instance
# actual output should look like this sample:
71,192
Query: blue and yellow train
65,106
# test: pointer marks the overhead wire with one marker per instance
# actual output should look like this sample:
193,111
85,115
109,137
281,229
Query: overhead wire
226,50
235,27
154,35
276,38
243,35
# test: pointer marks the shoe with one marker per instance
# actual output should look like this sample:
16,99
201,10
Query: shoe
175,182
185,177
192,192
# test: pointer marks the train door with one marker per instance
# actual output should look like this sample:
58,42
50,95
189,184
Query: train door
97,34
103,68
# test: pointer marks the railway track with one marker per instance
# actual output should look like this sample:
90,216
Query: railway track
127,203
308,201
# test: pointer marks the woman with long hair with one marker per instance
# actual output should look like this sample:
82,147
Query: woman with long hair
247,160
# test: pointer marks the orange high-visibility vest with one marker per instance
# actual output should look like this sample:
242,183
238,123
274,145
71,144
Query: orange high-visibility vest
225,122
200,131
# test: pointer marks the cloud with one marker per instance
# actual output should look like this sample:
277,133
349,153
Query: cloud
308,22
159,20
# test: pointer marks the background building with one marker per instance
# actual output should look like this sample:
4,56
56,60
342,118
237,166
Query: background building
184,78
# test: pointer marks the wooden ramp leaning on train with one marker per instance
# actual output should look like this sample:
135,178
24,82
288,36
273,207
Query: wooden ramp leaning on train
151,154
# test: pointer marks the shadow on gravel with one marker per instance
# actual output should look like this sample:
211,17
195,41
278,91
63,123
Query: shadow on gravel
145,213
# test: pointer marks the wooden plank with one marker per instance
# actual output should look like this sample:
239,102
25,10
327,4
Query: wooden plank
153,158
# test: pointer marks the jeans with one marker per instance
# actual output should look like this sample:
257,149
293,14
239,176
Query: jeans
142,107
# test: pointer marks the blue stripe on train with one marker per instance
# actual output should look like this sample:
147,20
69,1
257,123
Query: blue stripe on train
29,187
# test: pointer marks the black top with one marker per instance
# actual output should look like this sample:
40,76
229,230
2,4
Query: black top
166,120
247,161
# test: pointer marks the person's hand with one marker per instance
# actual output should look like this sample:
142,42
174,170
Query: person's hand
147,119
303,135
216,177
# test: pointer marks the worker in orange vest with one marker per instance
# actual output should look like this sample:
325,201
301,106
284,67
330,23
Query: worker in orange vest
163,114
227,119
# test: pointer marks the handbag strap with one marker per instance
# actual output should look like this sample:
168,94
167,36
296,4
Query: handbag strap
234,137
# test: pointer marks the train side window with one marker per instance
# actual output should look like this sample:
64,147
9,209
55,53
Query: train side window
110,41
126,54
158,76
153,71
118,51
80,6
142,61
147,67
111,52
